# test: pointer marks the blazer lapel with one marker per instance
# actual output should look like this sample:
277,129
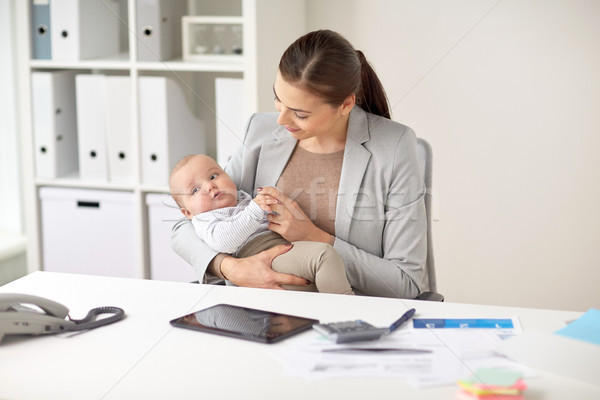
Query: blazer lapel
356,158
274,156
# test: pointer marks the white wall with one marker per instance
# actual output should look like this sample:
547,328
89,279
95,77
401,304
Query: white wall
508,94
10,196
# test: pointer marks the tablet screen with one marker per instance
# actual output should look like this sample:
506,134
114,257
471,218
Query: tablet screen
244,323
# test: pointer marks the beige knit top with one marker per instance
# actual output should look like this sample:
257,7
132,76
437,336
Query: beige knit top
312,180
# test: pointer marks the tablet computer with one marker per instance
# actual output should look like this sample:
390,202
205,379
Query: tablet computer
244,323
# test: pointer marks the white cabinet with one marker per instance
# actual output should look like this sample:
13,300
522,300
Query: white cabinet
88,231
165,264
245,42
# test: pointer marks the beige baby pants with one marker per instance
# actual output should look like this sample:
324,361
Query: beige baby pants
315,261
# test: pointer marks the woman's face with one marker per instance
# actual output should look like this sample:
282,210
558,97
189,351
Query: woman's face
307,116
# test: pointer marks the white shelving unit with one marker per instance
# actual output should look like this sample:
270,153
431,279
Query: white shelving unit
268,27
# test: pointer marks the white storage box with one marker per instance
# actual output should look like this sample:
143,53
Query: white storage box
165,264
212,39
89,232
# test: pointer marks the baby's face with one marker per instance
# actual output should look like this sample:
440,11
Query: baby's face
203,186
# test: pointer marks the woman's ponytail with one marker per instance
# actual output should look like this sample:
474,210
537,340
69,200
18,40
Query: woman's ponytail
371,97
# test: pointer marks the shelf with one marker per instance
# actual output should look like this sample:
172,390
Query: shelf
154,189
77,183
118,62
197,19
218,64
209,64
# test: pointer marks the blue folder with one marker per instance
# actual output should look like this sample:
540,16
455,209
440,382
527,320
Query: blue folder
41,47
463,323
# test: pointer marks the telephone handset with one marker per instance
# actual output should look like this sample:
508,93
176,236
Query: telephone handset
16,317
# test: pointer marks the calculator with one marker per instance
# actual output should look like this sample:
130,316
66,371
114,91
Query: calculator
350,331
359,330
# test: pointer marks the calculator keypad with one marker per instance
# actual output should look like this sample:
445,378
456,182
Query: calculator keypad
348,326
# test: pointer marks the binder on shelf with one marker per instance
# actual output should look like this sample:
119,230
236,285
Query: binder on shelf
120,138
41,46
168,128
84,29
229,108
159,29
91,127
54,123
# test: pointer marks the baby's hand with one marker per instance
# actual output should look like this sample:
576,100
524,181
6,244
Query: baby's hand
263,202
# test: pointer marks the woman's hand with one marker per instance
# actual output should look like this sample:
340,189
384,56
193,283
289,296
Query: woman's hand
255,271
289,220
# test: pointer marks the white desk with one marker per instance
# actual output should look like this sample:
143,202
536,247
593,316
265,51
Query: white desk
143,357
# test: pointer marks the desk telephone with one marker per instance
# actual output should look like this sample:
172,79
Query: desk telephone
17,317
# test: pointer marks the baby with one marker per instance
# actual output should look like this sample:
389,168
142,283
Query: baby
230,221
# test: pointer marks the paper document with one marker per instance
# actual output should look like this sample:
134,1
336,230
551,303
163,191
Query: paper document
424,357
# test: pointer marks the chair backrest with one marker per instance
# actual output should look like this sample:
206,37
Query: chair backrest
425,157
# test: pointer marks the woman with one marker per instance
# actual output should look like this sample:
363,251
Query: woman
348,175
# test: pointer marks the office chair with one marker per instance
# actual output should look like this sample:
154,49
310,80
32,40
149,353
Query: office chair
429,284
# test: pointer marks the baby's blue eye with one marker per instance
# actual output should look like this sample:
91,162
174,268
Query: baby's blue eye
195,190
213,176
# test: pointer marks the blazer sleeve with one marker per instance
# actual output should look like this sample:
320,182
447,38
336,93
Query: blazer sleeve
192,249
386,249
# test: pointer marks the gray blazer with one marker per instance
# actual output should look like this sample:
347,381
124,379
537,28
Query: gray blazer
380,223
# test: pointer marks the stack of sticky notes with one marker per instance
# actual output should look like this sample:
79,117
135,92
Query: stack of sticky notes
492,384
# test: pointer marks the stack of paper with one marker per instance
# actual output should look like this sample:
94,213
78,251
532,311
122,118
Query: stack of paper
423,357
492,384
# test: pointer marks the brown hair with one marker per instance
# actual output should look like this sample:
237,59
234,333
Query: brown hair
326,64
181,163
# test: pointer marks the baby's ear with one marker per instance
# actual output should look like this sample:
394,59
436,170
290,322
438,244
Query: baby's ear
186,213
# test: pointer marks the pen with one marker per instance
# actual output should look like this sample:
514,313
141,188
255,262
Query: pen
379,350
407,315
